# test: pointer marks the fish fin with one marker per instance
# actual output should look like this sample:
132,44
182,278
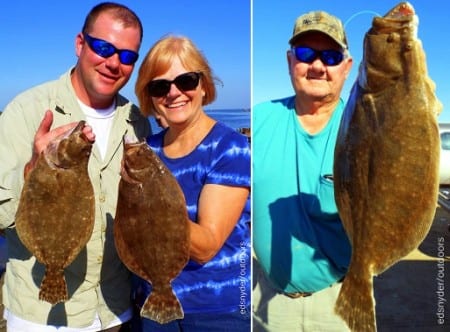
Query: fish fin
53,286
355,303
162,306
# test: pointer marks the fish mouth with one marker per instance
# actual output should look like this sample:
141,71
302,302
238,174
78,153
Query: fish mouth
77,146
131,141
79,126
402,10
85,138
401,16
79,130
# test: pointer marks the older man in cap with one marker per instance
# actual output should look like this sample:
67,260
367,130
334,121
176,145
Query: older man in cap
302,251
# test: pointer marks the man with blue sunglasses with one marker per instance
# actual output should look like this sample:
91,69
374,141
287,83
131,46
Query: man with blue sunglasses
301,249
98,283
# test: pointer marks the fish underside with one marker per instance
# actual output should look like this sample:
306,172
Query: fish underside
151,229
48,223
386,167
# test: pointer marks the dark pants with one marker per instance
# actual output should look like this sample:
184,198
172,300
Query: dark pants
204,322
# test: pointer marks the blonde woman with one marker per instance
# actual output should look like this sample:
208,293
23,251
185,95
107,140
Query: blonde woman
212,165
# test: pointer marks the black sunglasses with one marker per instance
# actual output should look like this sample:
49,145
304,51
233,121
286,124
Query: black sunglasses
308,55
105,50
184,82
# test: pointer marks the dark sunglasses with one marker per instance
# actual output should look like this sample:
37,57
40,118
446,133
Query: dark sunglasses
184,82
308,55
105,50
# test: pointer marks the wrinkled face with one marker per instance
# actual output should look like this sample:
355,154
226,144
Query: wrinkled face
316,80
97,79
179,107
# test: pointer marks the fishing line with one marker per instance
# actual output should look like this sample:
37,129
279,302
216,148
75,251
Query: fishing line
362,12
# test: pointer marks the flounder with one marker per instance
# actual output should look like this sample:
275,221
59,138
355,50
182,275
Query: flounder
55,216
151,228
386,167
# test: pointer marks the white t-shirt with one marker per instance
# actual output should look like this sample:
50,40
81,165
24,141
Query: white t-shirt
101,121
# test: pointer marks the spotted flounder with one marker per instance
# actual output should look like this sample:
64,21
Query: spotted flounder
151,228
55,217
386,168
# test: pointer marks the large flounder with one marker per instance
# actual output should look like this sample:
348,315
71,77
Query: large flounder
55,216
151,228
386,159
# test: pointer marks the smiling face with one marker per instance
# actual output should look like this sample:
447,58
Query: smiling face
169,58
317,81
97,80
179,107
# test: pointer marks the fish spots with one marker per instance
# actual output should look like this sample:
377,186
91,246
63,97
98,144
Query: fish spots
151,232
49,224
386,160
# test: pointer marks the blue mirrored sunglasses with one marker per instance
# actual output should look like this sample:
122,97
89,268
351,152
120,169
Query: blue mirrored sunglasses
308,55
105,50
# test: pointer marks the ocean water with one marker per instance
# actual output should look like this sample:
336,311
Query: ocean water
234,118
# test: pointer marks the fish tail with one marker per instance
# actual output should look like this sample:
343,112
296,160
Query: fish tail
355,303
53,286
162,306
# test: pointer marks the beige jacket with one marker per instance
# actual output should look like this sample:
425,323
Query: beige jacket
97,281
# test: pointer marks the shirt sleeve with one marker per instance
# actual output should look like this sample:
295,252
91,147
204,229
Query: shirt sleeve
15,150
231,162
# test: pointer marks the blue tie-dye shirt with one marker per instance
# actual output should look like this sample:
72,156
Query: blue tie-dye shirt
222,284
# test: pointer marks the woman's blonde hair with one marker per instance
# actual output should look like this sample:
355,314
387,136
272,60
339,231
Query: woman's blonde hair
158,61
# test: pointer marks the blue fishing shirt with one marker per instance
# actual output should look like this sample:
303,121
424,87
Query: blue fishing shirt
298,236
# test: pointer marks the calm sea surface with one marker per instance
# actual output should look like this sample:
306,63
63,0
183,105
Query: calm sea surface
234,118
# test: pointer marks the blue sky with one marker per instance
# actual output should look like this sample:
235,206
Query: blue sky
273,23
38,41
37,38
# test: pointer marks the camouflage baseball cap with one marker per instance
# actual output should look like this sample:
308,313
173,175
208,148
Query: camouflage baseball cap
323,22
